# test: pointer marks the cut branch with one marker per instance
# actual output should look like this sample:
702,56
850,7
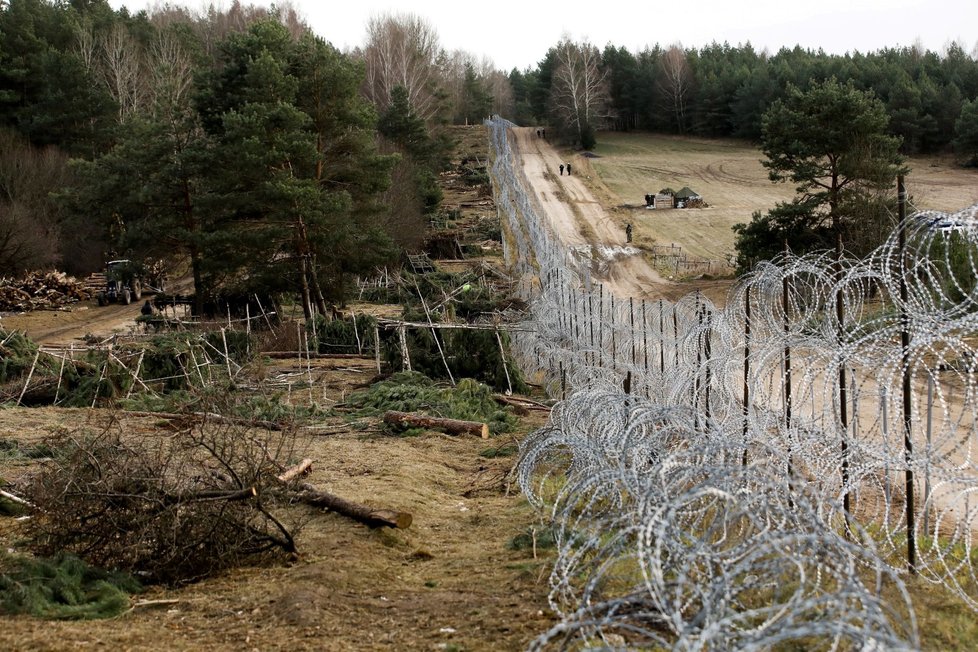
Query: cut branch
367,515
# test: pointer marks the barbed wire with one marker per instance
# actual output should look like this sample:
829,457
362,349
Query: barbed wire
790,424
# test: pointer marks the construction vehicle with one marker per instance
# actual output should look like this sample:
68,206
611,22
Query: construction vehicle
122,283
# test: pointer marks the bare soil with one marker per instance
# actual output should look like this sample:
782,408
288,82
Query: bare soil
452,581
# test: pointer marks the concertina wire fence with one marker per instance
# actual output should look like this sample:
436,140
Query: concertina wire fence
751,488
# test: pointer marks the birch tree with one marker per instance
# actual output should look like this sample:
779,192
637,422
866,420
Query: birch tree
121,70
402,50
675,81
579,89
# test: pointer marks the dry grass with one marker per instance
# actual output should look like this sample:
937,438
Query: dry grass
729,175
451,579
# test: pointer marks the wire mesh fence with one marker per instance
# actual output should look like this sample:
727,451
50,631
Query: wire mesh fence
775,462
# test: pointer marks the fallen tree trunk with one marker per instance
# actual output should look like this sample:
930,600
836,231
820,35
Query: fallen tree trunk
367,515
449,426
208,416
524,403
287,355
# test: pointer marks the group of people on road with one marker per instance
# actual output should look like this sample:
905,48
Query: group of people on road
565,165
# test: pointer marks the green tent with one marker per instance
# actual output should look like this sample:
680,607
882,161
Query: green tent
687,193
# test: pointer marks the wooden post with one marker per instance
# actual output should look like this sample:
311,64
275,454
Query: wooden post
502,356
600,325
405,355
135,375
377,347
675,335
31,375
434,334
707,353
563,382
248,329
614,328
930,415
907,389
662,340
356,332
699,363
227,356
61,372
631,323
785,306
260,307
746,371
590,305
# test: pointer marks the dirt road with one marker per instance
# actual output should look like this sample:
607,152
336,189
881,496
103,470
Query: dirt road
64,328
582,223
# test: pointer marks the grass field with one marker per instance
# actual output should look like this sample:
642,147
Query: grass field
730,177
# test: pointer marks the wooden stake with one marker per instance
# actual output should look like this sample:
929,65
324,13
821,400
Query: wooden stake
29,376
377,347
356,332
405,356
502,356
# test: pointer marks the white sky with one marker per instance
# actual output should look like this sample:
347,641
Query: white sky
518,34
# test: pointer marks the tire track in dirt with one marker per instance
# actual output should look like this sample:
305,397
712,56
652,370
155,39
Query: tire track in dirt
579,219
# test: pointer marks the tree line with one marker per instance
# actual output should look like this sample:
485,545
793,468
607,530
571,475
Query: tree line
724,91
270,160
235,139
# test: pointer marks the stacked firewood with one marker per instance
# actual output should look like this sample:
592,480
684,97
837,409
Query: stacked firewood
41,291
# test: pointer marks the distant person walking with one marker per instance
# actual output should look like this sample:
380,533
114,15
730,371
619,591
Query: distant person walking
561,169
568,169
628,233
538,133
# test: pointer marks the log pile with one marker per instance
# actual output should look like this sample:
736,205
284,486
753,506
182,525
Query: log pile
41,291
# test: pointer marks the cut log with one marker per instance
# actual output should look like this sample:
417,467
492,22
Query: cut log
525,403
208,416
367,515
286,355
449,426
290,474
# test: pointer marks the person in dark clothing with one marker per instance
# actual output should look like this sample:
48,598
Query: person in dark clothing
561,169
568,169
147,308
538,133
648,201
628,233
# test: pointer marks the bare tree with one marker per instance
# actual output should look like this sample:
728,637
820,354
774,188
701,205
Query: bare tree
402,50
579,92
121,69
171,72
29,229
502,93
675,80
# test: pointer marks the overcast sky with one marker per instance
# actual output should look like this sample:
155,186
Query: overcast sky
519,33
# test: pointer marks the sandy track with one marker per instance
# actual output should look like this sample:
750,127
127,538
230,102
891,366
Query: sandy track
580,220
62,328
